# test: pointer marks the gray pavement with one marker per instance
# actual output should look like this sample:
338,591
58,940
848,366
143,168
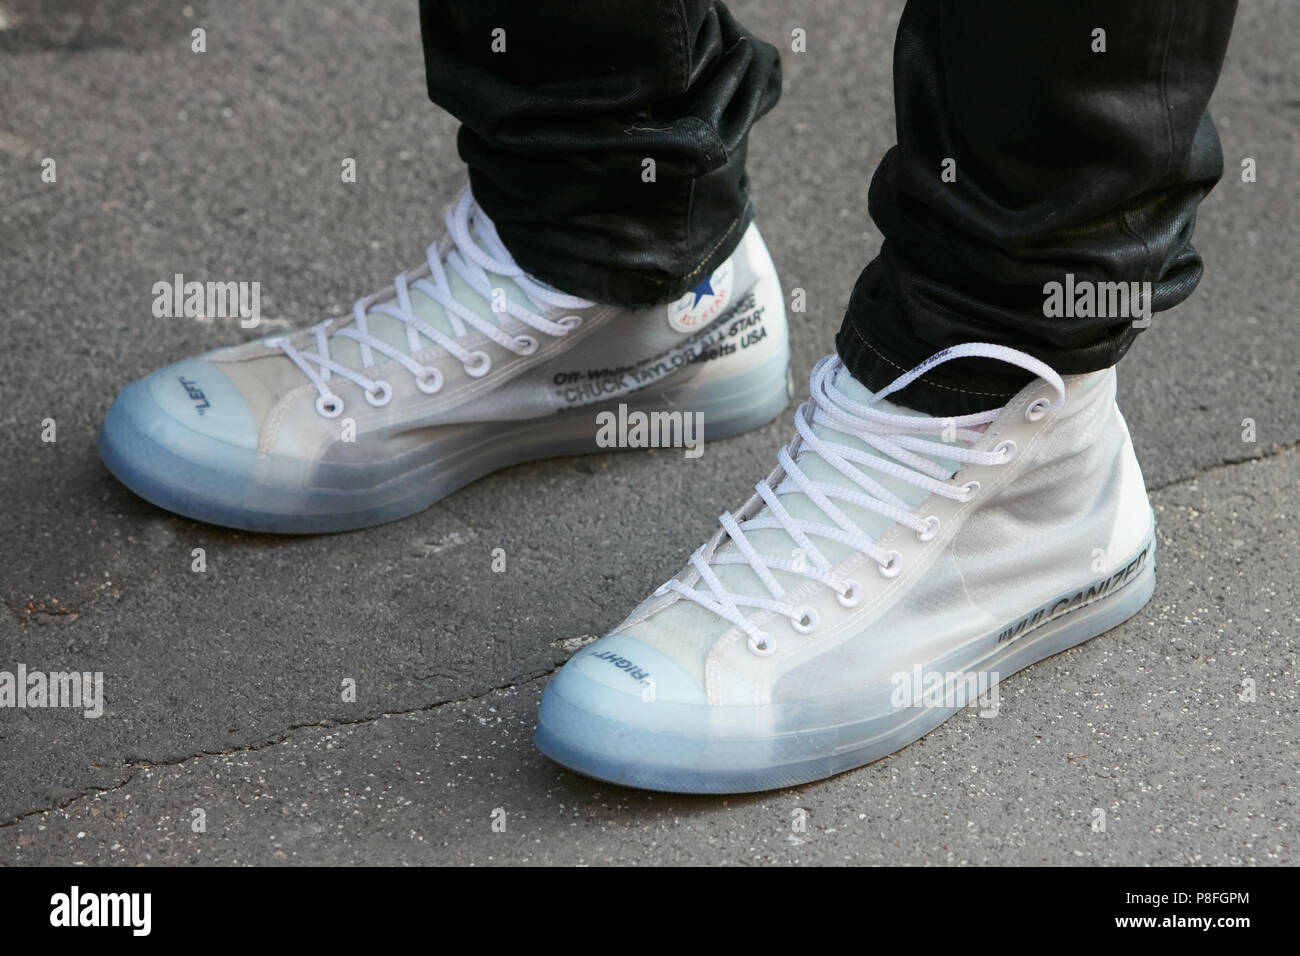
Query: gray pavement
223,687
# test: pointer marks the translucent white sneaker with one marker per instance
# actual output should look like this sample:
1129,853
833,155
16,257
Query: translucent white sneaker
465,366
891,568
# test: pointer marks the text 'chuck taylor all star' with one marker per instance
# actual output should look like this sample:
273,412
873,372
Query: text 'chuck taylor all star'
890,569
465,366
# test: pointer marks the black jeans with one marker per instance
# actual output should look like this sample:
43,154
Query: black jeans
564,106
1032,150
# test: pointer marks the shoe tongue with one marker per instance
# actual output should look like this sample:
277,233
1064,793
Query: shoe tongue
393,331
775,542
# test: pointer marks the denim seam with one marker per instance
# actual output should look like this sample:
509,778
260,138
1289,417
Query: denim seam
1148,264
1164,92
690,219
714,248
648,277
685,46
923,381
662,283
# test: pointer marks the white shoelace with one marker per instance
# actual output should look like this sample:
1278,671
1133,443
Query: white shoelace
898,448
472,263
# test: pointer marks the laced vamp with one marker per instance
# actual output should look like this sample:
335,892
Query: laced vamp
473,264
897,445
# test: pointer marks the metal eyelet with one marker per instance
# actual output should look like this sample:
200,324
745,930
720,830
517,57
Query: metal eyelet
1005,449
1037,409
891,567
429,381
479,365
329,406
382,395
931,529
765,647
807,620
969,491
852,594
570,322
527,344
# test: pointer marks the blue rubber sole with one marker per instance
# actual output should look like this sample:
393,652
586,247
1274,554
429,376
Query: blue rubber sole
136,444
597,746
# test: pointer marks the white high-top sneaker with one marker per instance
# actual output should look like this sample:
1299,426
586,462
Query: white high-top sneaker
888,573
465,366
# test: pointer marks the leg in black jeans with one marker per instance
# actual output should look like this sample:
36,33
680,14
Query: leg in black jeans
562,103
1067,161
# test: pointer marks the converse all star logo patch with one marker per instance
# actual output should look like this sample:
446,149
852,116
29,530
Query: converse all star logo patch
704,303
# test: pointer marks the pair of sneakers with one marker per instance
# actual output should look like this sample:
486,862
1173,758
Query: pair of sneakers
890,570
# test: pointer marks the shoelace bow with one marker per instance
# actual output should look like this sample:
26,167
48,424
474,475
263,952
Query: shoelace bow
473,264
896,446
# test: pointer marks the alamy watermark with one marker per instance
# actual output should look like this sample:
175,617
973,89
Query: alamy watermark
638,429
74,908
1085,299
23,689
951,690
208,300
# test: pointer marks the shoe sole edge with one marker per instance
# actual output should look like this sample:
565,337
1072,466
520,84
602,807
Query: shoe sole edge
730,406
1053,637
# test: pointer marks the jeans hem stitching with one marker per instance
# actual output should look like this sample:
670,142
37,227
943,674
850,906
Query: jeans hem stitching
923,381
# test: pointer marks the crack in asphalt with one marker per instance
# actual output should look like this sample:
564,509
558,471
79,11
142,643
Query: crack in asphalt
134,767
1223,463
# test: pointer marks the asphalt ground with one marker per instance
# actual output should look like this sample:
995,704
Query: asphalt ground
222,687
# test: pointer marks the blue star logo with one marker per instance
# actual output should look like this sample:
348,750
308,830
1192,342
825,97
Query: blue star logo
701,290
